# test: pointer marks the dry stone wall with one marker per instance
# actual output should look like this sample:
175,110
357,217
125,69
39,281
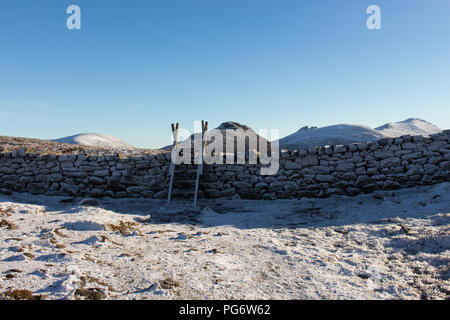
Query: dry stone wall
317,172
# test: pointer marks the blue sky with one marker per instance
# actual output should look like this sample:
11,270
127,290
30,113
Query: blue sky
136,66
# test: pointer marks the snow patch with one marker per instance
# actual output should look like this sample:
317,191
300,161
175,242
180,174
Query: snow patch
84,226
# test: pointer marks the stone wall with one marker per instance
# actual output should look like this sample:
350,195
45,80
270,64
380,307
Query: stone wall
317,172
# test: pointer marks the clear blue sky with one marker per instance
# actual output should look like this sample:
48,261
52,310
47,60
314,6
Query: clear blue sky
138,65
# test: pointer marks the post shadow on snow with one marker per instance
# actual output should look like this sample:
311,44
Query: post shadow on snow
56,287
416,244
184,212
432,248
250,214
242,214
225,212
410,241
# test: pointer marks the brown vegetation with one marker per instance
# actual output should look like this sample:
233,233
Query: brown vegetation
22,295
7,224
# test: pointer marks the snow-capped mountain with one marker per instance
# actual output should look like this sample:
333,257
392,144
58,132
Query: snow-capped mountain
331,135
96,140
345,133
236,127
412,126
244,131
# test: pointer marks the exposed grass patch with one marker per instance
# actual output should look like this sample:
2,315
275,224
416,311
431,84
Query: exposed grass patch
90,294
86,279
15,270
169,283
88,258
22,295
125,228
59,233
14,239
7,224
105,238
6,212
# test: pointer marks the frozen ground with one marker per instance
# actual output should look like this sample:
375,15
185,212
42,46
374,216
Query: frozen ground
391,245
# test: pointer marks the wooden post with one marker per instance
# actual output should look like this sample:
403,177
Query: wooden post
172,164
200,160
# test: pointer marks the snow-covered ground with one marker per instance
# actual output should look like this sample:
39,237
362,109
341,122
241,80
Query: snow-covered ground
389,245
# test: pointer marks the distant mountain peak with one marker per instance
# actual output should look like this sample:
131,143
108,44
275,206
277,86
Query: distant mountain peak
347,133
385,126
233,126
228,141
413,119
411,126
96,140
306,128
407,121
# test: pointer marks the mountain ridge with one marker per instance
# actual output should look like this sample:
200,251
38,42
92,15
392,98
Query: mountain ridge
307,137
